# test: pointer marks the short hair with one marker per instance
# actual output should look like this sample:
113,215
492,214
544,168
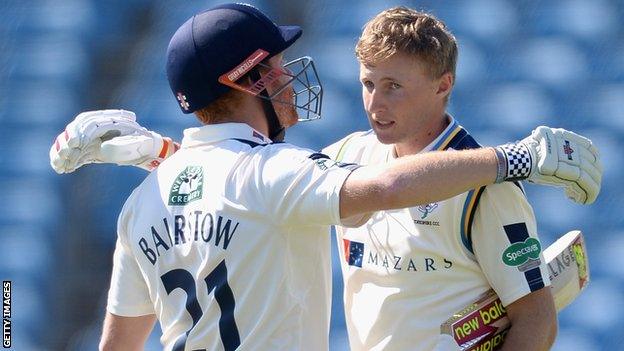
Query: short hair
404,30
218,110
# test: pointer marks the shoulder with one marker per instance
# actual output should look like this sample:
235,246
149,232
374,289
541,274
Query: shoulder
278,160
353,143
506,192
147,194
505,203
284,152
128,212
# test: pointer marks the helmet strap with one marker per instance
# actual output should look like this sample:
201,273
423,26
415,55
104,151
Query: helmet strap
276,130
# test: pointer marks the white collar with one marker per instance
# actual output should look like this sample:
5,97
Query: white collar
212,133
439,143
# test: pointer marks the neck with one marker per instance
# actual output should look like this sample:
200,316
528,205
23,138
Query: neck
249,111
423,137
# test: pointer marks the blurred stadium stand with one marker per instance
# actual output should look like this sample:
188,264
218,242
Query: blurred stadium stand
522,63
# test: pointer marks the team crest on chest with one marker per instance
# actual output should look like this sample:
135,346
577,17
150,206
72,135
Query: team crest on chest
421,214
187,187
427,209
354,252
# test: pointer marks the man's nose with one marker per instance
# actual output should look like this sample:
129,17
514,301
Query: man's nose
376,101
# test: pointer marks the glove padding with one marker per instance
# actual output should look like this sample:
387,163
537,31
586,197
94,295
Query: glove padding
108,136
563,158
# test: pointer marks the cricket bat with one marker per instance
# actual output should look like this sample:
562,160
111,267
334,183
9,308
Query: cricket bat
482,325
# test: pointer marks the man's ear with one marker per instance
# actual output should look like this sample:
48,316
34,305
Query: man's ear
445,84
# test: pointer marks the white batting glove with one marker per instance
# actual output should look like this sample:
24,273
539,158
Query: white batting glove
557,157
108,136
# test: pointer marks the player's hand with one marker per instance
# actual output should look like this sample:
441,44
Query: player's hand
560,158
566,159
108,136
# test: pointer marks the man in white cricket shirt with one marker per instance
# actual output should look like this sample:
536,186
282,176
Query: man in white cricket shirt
413,268
226,243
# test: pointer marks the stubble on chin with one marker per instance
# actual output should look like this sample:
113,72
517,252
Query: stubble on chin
384,137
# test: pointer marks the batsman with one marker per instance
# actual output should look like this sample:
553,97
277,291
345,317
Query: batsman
406,271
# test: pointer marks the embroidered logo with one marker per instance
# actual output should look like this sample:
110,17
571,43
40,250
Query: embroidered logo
183,101
187,186
426,209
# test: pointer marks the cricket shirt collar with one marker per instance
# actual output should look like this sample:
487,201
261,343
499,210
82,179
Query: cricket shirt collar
213,133
441,141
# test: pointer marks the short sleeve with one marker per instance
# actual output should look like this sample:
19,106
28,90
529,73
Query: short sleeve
298,186
506,244
128,294
348,148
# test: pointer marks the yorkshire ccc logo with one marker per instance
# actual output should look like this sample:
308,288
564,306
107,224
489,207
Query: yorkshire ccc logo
426,209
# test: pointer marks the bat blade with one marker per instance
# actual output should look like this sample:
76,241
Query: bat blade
483,324
568,268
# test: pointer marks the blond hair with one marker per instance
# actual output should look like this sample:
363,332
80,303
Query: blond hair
404,30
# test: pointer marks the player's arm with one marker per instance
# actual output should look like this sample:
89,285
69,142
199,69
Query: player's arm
108,136
126,333
533,322
506,245
542,158
417,179
97,137
130,314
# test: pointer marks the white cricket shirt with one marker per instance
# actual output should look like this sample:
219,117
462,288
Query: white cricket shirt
227,243
407,271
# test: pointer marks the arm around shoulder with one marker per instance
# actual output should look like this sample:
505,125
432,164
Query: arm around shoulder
415,180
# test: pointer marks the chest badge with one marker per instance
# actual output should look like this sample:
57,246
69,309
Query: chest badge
354,252
427,209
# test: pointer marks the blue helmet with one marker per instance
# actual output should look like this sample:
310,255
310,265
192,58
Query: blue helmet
213,49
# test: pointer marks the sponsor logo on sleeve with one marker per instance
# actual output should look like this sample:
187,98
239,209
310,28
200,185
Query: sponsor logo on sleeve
524,255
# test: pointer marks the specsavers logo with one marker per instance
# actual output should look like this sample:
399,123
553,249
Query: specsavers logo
187,186
520,253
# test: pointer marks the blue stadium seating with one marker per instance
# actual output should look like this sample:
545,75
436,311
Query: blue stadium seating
522,63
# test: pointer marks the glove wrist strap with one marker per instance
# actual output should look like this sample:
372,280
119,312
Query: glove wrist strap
501,165
514,162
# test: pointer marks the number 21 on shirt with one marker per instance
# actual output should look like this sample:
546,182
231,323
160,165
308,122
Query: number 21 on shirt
217,281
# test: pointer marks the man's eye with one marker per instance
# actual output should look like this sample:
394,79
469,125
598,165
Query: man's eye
368,84
394,86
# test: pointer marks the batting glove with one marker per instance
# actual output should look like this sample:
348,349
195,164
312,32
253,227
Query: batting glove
108,136
556,157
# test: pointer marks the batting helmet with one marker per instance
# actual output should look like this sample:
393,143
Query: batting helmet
214,45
